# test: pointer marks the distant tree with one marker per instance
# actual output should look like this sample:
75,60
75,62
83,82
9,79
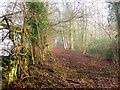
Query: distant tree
114,16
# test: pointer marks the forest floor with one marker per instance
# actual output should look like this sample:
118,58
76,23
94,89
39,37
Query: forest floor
71,69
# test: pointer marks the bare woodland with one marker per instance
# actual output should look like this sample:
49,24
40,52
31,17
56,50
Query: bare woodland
60,44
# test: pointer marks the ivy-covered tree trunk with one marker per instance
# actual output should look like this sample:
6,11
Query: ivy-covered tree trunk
38,24
29,37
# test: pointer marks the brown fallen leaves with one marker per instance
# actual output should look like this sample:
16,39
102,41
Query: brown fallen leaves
71,69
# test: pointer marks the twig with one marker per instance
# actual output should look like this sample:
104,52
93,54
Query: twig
7,51
3,38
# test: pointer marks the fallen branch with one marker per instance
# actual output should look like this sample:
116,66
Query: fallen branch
70,80
28,77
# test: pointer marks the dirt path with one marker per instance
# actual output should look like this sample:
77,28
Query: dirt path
93,72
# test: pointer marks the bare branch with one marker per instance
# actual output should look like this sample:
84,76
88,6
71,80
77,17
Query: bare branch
66,20
9,14
3,28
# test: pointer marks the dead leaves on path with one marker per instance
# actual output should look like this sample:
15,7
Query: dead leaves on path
71,69
91,72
